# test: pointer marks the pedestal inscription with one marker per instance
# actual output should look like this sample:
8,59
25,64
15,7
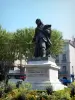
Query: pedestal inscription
42,74
35,72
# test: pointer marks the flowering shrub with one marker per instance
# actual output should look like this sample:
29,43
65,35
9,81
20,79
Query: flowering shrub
25,93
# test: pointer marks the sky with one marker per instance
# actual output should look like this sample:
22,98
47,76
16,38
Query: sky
18,14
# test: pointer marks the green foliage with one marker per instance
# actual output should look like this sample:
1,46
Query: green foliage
31,97
22,92
57,42
6,46
62,94
19,45
6,52
23,43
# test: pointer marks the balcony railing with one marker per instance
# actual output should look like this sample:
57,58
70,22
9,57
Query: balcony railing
64,61
62,72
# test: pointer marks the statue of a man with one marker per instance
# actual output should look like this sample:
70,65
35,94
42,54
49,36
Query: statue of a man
42,39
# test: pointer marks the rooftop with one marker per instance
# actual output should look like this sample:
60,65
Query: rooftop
71,42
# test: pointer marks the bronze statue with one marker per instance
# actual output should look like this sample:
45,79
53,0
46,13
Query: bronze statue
42,39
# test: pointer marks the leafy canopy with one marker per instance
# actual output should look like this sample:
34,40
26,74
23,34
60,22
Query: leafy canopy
18,45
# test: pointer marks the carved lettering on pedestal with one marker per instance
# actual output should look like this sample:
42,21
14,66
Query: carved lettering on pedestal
37,72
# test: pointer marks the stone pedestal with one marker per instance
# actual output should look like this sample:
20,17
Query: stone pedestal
43,72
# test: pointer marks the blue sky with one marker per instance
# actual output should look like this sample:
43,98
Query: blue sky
16,14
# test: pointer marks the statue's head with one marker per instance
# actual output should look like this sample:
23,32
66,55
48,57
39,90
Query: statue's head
38,22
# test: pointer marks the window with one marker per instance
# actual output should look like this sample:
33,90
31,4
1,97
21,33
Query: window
64,68
57,58
64,58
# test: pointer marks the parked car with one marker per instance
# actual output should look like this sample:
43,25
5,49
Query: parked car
65,81
16,77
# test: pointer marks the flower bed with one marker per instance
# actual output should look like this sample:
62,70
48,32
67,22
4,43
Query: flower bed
25,93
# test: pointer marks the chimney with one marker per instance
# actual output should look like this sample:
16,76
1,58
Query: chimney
74,42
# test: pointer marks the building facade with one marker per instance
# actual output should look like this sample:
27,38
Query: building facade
66,60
